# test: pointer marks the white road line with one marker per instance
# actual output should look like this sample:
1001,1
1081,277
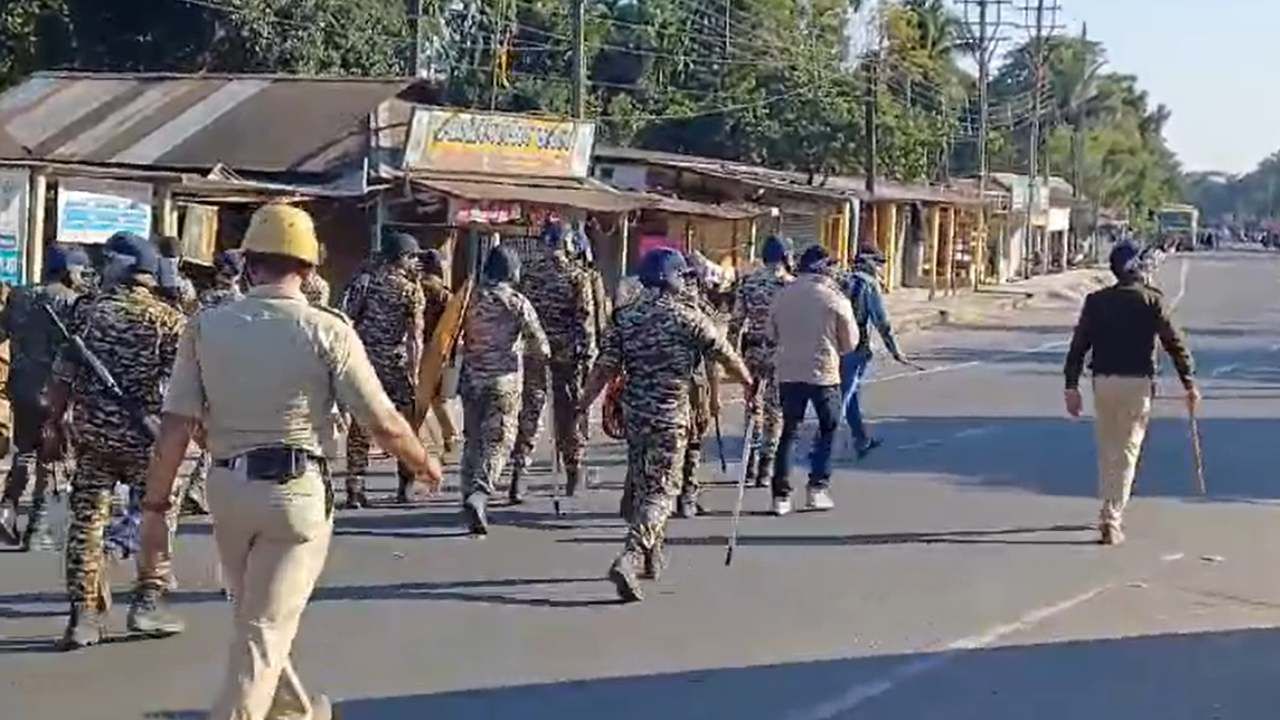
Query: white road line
1182,282
862,692
971,363
1224,370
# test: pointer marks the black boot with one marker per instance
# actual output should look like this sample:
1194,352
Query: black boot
150,615
515,493
84,628
473,508
623,575
402,491
356,498
764,471
572,473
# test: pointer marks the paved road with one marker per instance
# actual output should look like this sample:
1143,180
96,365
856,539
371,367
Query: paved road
957,579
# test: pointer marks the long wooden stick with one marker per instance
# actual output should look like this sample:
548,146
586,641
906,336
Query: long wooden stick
742,489
1197,454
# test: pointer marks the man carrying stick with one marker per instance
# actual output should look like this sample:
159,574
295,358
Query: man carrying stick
1120,325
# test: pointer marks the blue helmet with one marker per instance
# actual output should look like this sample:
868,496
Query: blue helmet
399,244
553,235
663,268
814,259
146,259
777,249
1126,260
61,257
502,265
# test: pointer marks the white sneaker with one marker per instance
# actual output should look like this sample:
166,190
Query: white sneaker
819,500
781,506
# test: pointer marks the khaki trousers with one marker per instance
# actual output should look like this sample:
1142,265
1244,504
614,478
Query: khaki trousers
1123,408
272,539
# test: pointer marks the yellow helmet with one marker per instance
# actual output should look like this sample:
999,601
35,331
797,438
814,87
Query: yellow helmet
281,229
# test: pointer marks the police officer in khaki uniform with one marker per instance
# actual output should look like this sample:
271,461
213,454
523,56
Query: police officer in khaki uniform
267,431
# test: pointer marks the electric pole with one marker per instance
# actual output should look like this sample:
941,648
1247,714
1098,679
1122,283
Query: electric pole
579,59
1041,31
984,20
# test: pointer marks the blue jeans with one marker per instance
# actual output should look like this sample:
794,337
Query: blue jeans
853,367
795,399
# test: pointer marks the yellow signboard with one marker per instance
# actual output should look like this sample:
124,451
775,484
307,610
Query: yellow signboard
459,141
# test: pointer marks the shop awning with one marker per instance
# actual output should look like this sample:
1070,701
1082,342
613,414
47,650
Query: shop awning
586,194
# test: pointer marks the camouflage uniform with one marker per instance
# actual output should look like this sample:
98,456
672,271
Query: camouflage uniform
135,335
657,342
34,344
390,309
701,386
192,492
499,330
316,289
562,294
750,321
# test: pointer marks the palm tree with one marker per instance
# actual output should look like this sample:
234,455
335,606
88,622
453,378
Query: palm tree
1077,69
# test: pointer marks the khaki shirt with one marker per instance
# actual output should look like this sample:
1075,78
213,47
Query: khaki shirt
269,370
813,326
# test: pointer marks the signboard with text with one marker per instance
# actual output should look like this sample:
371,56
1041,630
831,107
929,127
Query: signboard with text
14,190
90,211
469,142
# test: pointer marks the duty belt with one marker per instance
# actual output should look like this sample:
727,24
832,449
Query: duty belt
275,464
753,341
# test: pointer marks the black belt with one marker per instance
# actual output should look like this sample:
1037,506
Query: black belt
754,341
277,464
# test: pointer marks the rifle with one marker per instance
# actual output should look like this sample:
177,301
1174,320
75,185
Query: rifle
145,421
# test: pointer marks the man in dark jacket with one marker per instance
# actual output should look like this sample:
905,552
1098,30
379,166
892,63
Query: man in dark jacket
1120,326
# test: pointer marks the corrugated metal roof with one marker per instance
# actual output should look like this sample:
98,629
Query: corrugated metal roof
248,122
830,186
570,192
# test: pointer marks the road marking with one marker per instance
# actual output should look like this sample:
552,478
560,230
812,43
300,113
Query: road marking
971,363
1224,370
862,692
1182,282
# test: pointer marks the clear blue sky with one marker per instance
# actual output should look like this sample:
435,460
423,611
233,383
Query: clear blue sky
1213,62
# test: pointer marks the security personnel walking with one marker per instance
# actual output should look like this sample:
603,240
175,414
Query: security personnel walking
561,292
500,329
389,322
34,345
134,334
749,325
656,343
228,267
1119,326
272,509
704,398
436,296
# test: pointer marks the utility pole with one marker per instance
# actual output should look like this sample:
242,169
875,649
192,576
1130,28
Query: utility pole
1041,30
984,20
579,59
869,117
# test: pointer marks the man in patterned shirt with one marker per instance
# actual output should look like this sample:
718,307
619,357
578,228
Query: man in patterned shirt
135,335
750,326
500,330
560,290
34,345
389,322
656,343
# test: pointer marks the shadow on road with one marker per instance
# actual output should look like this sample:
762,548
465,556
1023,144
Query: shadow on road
1173,677
957,537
